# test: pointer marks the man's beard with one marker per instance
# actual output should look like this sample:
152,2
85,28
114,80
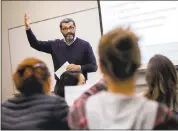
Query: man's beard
69,37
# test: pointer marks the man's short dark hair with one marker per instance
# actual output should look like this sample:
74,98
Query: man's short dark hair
67,20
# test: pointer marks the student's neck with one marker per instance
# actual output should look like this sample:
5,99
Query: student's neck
126,87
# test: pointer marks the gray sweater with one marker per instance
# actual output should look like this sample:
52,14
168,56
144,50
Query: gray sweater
110,111
34,112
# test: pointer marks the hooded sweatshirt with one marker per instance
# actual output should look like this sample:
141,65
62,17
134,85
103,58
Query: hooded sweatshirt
116,111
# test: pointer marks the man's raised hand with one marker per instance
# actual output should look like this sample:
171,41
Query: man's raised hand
26,21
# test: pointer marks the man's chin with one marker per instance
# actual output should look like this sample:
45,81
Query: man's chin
71,39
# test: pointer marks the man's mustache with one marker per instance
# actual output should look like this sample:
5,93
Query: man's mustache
69,34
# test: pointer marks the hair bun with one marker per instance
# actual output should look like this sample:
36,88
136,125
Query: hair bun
123,47
25,72
124,44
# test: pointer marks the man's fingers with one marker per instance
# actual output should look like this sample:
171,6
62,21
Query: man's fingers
70,67
26,16
26,20
73,67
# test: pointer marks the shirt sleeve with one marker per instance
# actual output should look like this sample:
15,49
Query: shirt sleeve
91,65
77,117
44,46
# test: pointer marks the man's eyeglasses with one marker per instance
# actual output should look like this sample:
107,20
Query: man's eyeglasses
66,29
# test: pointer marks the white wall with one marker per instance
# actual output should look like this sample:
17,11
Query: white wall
12,16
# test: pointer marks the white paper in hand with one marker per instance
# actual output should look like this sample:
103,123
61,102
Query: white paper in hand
62,69
74,92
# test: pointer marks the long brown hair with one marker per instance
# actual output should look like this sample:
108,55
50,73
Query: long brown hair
161,78
32,76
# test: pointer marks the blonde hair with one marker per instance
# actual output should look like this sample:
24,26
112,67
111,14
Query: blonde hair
32,76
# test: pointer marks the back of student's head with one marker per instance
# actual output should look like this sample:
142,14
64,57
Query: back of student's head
69,78
119,54
32,76
161,78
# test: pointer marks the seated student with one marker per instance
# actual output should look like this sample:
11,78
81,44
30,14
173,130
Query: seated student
162,81
118,107
69,78
33,108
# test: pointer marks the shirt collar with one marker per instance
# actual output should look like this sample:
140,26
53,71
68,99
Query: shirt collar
71,41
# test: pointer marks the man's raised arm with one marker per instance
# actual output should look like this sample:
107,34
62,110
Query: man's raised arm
44,46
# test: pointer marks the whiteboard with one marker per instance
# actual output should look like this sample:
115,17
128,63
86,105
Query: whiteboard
155,22
87,28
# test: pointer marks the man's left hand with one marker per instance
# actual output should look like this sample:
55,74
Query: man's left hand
71,67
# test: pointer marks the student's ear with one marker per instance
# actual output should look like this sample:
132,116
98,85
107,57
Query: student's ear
47,85
104,74
101,69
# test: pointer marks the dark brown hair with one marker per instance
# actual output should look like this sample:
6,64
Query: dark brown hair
119,53
66,20
161,78
32,76
68,78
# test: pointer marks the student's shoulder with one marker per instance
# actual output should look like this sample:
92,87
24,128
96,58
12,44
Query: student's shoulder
53,99
148,104
58,102
92,100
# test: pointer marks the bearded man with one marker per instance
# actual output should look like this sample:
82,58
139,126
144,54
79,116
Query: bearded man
77,52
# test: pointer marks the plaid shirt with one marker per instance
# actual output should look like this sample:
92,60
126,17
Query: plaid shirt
165,119
77,118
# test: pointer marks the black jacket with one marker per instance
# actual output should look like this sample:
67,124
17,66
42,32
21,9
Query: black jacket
34,112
